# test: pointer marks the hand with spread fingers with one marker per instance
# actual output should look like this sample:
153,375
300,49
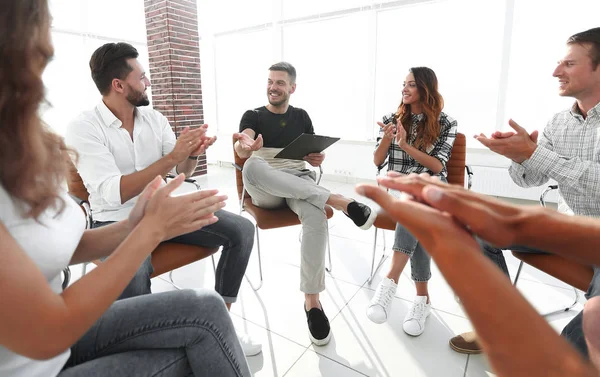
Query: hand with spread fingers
495,221
517,146
247,143
435,229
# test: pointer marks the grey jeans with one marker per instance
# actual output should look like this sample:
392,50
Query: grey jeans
275,188
170,334
235,233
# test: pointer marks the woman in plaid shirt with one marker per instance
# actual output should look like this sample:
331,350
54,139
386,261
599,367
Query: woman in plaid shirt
417,139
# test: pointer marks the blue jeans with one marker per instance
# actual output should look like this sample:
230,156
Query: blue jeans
177,334
573,331
420,261
235,233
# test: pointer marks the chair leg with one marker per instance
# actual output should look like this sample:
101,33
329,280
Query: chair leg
383,258
518,274
330,268
565,308
256,288
170,281
561,310
67,277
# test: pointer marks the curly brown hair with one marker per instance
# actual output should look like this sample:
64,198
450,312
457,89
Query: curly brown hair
432,104
32,158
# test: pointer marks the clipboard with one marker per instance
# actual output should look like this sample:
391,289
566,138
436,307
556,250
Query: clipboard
306,144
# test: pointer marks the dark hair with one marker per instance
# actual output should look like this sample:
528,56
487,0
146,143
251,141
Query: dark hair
32,158
432,104
285,67
109,62
591,37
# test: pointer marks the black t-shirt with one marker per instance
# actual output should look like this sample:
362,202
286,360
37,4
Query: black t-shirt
277,130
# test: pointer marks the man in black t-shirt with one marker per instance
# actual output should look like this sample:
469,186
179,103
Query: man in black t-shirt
275,183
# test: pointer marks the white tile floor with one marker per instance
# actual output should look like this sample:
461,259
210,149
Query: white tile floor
358,347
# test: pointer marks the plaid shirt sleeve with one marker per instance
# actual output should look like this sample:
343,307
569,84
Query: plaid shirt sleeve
583,177
443,148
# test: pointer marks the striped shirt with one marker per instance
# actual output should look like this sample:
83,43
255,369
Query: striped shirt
568,151
402,162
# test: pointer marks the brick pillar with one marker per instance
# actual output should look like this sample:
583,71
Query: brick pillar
173,47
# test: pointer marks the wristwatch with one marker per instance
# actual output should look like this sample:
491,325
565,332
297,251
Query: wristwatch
193,157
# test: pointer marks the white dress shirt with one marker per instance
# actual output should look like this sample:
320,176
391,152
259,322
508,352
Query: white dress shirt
107,152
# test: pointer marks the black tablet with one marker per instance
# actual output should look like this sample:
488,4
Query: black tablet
306,144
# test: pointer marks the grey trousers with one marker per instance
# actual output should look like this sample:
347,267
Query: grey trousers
275,188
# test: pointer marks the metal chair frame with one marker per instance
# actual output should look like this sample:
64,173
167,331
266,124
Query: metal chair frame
565,308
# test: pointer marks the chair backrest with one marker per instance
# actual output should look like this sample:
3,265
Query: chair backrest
458,160
75,183
239,181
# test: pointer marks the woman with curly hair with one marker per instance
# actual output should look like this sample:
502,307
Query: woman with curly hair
417,139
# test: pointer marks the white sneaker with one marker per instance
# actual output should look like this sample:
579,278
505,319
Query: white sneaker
249,346
414,322
381,304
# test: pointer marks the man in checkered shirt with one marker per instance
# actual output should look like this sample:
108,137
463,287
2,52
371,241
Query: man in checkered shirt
568,151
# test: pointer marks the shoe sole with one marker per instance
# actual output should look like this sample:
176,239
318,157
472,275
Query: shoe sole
464,350
320,342
373,320
369,223
253,353
415,335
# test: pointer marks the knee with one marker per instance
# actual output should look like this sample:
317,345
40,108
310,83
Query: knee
205,301
241,232
246,228
591,321
252,167
311,215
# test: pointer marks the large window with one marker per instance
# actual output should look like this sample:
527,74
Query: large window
79,28
293,9
464,51
538,42
242,62
333,81
493,58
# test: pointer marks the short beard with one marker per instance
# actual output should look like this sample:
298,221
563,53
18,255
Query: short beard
138,101
278,103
